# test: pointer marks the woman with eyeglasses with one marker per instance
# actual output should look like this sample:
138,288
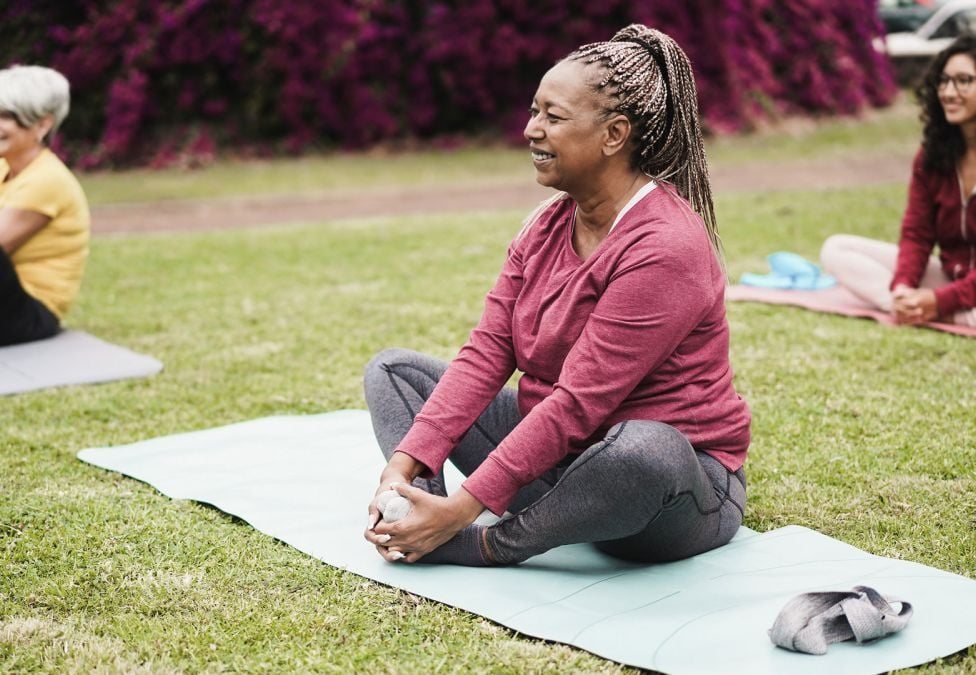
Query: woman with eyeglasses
906,279
44,219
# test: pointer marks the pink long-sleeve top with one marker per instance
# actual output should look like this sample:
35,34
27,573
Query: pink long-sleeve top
939,214
637,331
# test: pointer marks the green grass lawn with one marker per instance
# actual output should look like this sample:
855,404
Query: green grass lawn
862,432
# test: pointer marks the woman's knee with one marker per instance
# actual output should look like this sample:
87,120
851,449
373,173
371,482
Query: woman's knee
648,451
835,248
400,374
966,317
681,532
376,371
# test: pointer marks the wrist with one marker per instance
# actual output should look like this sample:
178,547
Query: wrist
465,506
402,465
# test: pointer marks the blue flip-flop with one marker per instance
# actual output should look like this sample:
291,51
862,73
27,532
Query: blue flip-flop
789,272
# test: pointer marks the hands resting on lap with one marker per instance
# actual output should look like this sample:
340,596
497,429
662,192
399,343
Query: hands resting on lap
913,306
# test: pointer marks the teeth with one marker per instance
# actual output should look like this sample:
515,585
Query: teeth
536,154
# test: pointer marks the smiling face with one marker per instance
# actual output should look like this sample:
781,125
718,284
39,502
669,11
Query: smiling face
957,90
565,131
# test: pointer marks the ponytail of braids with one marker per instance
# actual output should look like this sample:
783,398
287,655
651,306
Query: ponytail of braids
650,78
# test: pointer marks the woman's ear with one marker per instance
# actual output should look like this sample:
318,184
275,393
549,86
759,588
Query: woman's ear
43,126
617,134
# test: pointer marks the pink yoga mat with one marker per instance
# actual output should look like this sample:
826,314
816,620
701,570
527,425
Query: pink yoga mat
836,300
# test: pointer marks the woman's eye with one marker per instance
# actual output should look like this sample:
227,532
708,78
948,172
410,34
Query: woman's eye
533,112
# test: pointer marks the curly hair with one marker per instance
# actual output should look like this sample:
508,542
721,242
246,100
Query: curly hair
649,79
942,143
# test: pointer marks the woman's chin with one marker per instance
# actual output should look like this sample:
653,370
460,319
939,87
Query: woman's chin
957,117
546,180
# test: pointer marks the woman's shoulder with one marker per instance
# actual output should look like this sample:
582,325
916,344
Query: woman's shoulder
48,168
664,229
50,165
663,212
47,172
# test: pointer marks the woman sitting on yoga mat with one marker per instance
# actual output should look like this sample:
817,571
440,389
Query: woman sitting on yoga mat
44,221
626,430
904,279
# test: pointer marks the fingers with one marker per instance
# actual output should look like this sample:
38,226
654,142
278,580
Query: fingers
912,313
409,491
390,555
912,320
373,509
907,311
386,537
908,319
391,548
381,542
379,535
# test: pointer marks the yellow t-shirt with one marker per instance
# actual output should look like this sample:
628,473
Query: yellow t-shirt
50,263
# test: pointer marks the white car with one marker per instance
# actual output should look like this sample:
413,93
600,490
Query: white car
951,20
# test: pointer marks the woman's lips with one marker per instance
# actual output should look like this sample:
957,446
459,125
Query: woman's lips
541,157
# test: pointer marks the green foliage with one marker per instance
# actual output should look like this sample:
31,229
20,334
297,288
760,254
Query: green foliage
163,83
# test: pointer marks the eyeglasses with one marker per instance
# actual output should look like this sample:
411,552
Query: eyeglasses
963,83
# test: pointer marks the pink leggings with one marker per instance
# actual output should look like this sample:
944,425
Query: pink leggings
865,267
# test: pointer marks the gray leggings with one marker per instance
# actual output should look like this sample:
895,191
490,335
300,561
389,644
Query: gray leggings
642,493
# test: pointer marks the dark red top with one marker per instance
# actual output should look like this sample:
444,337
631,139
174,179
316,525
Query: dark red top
938,214
635,332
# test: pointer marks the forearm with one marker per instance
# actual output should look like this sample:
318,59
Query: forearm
913,258
17,226
460,397
918,228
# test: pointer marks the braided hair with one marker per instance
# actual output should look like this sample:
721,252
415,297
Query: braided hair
648,78
942,143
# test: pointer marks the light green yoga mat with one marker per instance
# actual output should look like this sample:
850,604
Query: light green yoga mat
306,480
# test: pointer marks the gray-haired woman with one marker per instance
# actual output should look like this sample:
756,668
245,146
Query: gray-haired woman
625,430
44,219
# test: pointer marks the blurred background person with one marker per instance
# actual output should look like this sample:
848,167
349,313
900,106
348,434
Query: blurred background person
905,279
44,218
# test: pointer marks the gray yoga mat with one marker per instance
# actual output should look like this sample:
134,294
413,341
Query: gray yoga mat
71,357
306,480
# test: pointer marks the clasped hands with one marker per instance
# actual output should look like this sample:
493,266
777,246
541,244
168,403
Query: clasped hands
913,306
432,520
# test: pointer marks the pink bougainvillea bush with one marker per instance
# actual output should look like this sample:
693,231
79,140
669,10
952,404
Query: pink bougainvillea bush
155,81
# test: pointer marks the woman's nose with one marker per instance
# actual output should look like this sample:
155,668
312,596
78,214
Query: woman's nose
532,129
